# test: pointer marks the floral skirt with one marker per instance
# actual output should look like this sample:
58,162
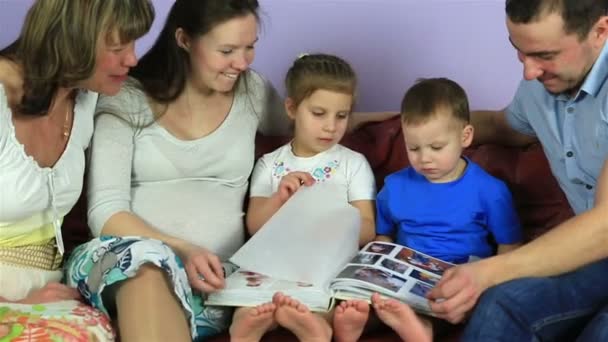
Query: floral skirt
65,321
109,260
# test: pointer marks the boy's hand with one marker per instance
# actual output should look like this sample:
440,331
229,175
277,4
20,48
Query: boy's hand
291,182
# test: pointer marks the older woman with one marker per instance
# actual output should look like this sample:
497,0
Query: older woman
67,52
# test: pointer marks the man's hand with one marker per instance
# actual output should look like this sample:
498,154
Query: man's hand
457,292
51,292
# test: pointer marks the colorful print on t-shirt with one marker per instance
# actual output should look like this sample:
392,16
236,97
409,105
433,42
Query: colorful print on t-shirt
320,174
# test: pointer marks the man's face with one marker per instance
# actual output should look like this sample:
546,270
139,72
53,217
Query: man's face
558,60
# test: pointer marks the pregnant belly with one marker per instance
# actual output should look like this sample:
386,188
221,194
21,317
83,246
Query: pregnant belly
207,214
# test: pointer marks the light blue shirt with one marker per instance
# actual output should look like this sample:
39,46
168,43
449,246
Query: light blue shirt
572,130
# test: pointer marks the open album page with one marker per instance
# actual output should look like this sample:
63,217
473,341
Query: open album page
391,270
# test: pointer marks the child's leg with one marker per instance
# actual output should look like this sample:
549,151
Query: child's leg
250,324
295,317
402,319
349,320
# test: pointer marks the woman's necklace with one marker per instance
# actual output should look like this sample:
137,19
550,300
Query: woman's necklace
66,124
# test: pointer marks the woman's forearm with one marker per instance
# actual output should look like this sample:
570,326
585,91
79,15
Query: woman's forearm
128,224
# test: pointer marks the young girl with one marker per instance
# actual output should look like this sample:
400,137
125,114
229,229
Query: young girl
320,96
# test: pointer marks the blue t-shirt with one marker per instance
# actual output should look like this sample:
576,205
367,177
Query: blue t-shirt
452,221
573,130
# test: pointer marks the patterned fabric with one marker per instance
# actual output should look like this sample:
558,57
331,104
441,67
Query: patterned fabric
45,257
108,260
67,321
319,173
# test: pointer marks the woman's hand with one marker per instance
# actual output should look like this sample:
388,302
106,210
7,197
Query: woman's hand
204,269
291,182
51,292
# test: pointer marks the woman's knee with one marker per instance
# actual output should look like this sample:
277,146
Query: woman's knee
149,275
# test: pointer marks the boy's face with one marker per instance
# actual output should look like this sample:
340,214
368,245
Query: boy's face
434,148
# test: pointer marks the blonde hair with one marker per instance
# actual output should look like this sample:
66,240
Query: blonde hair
319,71
58,43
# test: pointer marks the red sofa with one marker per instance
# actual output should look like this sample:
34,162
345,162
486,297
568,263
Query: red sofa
538,199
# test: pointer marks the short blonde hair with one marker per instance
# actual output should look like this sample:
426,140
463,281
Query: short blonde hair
58,43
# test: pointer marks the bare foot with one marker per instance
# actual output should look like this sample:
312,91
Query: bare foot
5,329
250,324
295,317
349,320
402,319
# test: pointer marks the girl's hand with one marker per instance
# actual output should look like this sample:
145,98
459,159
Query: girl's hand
204,269
291,182
51,292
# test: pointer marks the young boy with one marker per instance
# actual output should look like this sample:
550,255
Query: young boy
443,205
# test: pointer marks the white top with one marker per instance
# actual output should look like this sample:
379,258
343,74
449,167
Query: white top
34,199
194,189
32,196
345,168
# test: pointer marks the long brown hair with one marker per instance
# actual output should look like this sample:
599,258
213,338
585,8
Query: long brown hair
163,70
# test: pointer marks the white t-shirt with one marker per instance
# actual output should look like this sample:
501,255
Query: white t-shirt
190,189
345,168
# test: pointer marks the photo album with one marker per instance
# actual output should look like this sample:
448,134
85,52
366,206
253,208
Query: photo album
312,255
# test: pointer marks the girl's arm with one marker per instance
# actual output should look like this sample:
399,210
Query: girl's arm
262,208
368,226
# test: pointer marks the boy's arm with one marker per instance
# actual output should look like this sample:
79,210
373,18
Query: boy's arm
384,238
368,226
385,227
507,247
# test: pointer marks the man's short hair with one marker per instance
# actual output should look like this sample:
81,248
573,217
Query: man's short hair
579,15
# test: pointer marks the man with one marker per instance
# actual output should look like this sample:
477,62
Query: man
563,102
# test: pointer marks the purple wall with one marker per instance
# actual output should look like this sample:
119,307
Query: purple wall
390,43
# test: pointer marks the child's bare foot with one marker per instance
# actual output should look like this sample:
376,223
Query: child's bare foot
5,330
295,317
349,320
402,319
250,324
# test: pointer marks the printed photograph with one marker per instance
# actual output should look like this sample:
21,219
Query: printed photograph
420,260
380,248
253,279
366,259
374,276
424,277
394,266
420,289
